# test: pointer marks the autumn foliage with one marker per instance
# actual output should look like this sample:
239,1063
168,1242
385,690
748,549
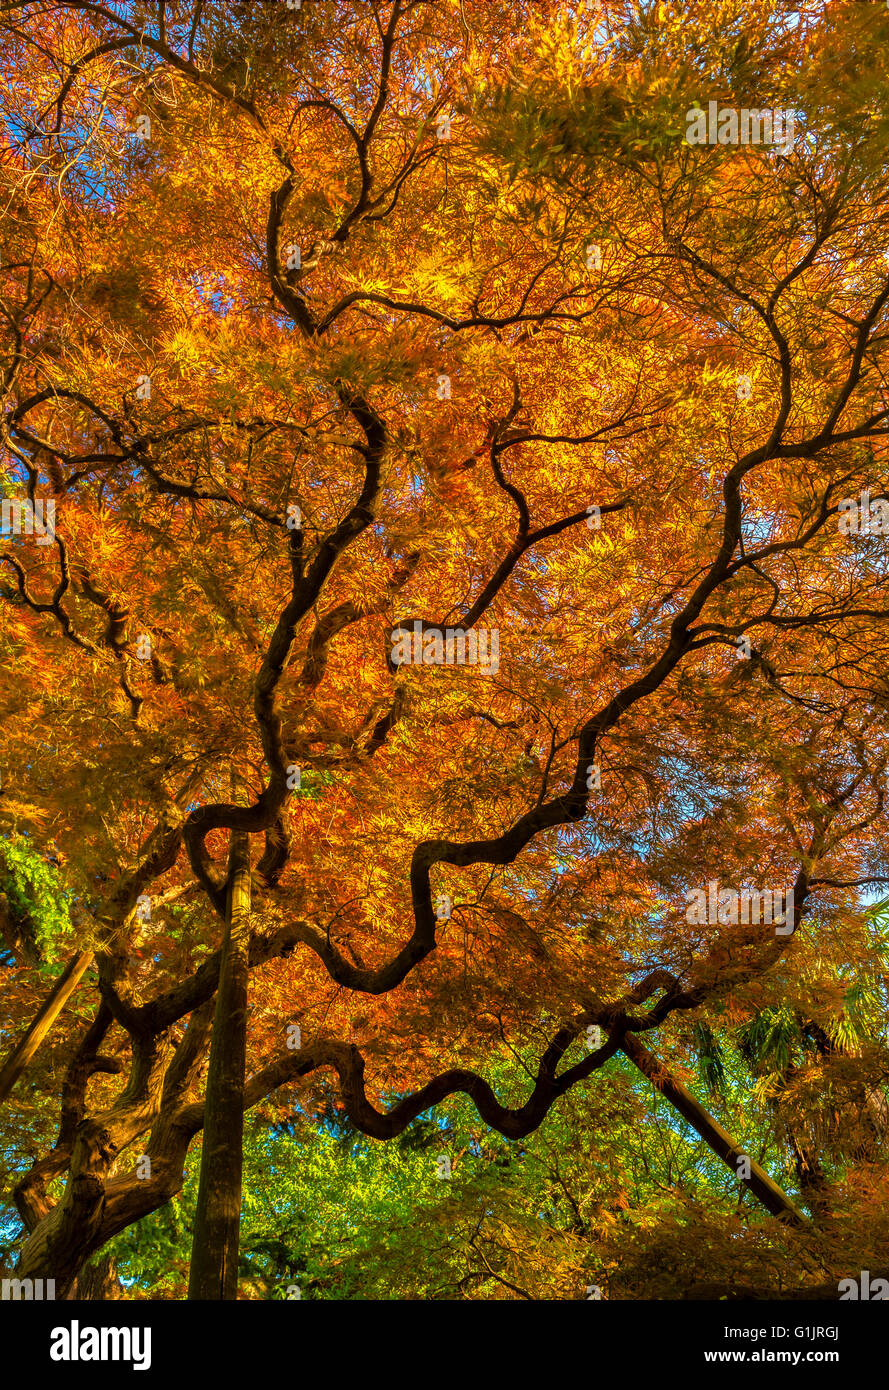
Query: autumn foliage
321,323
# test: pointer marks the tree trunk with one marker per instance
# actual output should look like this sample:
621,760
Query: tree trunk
214,1250
21,1055
98,1280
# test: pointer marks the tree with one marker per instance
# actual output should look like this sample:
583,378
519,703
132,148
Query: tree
214,1261
404,420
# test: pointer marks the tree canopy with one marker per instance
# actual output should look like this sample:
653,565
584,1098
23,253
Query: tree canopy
443,595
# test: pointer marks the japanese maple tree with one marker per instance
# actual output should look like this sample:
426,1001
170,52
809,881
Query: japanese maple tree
424,571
